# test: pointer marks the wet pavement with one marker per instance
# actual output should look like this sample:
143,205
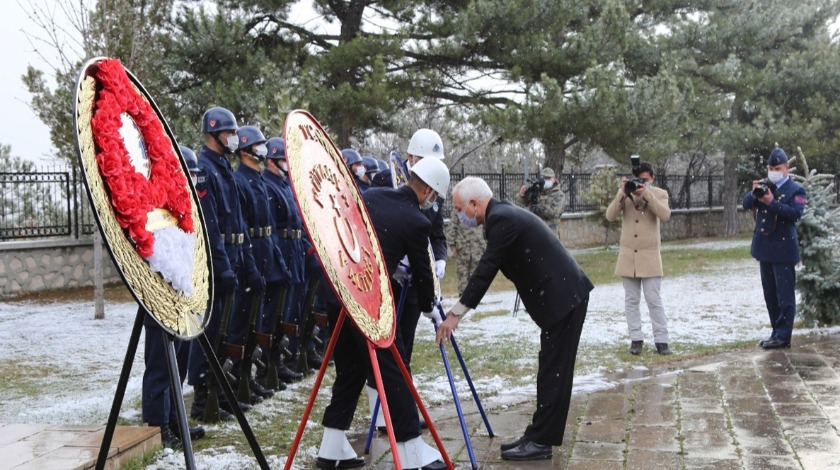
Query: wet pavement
751,409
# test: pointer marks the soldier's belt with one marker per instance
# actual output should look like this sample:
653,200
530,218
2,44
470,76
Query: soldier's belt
260,232
293,234
289,329
233,238
320,318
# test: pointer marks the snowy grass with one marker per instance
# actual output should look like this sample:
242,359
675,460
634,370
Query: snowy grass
59,365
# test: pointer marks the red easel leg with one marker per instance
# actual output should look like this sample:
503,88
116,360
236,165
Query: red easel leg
420,405
386,412
315,388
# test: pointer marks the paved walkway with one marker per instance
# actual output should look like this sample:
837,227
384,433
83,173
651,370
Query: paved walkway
751,409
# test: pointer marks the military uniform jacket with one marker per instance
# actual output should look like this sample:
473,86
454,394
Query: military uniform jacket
549,207
464,240
403,230
258,216
219,199
774,238
639,247
287,218
520,244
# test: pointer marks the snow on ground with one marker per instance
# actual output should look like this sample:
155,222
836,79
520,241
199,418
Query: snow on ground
722,303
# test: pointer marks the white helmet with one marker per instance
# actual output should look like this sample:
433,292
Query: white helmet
434,173
426,143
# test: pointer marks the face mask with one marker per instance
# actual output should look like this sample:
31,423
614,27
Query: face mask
232,143
284,166
549,184
428,202
775,176
469,222
360,172
260,150
194,179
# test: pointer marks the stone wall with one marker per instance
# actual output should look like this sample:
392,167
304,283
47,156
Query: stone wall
50,264
578,231
56,264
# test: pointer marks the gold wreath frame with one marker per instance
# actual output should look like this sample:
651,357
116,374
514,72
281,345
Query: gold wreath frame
185,317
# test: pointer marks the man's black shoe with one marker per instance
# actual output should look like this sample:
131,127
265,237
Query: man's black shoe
761,343
245,407
196,432
662,348
169,440
776,343
259,390
510,445
327,464
636,347
528,450
288,375
313,359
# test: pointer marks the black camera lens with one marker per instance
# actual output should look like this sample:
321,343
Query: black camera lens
759,191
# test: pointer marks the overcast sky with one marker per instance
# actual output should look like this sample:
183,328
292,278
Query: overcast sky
19,127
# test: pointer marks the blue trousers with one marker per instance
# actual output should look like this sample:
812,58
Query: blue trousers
779,282
158,409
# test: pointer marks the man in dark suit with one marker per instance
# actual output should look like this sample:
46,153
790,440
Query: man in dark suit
554,290
777,208
402,230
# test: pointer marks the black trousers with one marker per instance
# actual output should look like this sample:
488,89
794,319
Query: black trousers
352,370
558,351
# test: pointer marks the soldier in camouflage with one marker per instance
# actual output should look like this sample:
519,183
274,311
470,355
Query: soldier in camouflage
551,201
467,245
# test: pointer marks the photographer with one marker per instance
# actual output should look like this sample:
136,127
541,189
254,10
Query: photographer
544,198
639,261
777,204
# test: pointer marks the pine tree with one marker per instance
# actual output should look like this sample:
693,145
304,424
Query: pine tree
819,280
600,194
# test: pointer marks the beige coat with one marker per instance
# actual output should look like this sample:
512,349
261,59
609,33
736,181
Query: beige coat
638,250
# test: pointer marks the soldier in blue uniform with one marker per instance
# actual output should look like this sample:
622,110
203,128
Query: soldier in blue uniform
357,168
259,218
291,237
777,204
234,269
158,409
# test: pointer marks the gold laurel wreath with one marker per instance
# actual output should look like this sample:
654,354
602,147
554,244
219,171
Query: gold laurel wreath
183,315
374,330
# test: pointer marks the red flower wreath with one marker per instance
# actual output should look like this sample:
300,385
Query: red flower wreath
132,195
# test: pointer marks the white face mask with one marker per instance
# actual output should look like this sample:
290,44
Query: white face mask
775,176
194,179
549,184
232,143
284,166
260,150
360,171
428,202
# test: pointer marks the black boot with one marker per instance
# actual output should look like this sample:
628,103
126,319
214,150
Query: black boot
662,348
288,375
259,390
313,359
196,432
636,347
199,402
169,440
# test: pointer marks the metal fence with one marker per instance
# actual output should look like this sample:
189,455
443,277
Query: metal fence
51,202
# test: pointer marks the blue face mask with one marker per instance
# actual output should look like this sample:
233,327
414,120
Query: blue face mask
469,222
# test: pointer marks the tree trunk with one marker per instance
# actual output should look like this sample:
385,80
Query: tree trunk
731,197
555,154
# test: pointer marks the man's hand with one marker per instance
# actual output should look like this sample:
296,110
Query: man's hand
440,268
446,328
639,192
522,190
768,198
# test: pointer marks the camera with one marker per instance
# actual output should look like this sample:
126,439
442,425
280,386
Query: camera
763,188
632,185
532,194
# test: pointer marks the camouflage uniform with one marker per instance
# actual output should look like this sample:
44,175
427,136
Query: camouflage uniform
549,207
468,245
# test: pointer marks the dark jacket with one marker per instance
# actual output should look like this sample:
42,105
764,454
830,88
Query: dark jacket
290,235
403,230
774,239
259,219
521,245
219,199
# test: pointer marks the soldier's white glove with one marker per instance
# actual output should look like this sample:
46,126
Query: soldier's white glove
440,268
402,275
434,315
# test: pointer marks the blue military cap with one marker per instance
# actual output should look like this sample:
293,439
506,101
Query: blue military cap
777,157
